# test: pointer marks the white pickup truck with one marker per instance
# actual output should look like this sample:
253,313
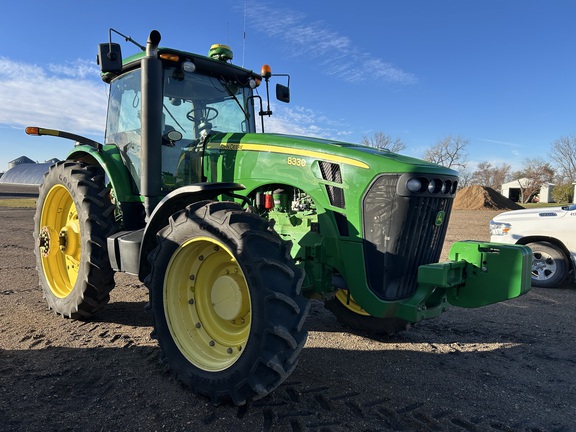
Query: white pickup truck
551,234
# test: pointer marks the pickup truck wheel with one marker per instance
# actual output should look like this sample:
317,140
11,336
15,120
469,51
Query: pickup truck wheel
349,313
74,215
226,302
549,265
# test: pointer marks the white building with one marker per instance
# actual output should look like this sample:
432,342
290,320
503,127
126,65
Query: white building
513,190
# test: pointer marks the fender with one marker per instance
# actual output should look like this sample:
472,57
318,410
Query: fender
111,161
170,204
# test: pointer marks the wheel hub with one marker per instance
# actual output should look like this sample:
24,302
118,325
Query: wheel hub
543,266
68,240
227,297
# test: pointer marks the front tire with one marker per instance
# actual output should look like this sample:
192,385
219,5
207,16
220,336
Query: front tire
73,217
226,302
351,314
549,265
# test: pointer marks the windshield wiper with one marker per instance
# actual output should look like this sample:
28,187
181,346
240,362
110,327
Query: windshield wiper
173,118
231,93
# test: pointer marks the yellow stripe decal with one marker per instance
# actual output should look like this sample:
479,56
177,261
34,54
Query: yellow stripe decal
293,151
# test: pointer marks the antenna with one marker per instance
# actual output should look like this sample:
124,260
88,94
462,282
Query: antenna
128,38
244,36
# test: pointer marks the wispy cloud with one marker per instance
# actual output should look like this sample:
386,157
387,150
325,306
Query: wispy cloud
69,97
334,52
500,142
306,122
80,69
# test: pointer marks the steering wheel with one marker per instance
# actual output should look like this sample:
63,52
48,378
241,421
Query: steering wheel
207,114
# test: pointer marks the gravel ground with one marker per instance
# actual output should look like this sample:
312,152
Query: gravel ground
505,367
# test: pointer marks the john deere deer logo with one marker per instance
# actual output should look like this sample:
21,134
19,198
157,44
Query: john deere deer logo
440,218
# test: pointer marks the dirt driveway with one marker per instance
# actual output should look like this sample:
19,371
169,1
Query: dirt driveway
506,367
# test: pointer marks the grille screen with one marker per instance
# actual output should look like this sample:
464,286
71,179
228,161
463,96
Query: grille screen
400,234
336,196
331,172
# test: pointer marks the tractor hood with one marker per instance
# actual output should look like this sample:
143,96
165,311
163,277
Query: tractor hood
361,156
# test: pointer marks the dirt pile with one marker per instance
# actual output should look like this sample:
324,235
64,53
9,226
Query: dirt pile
482,198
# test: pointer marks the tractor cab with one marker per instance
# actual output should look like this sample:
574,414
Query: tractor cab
194,105
199,96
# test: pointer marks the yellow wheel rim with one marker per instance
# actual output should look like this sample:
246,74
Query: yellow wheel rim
59,241
348,301
207,304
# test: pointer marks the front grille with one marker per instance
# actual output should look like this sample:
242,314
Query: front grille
402,231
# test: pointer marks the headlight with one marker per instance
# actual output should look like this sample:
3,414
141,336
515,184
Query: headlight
446,187
499,228
414,185
188,66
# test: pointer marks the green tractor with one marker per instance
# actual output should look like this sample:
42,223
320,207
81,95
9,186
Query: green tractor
233,231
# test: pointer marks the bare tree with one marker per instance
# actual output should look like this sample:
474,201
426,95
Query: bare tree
449,152
492,176
464,178
563,192
382,141
564,155
536,173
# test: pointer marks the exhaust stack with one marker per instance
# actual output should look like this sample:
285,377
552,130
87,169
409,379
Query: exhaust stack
151,117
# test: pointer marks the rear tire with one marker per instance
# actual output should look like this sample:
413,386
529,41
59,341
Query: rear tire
226,302
73,217
549,265
349,313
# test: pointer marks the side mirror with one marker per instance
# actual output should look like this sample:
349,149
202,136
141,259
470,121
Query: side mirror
170,138
109,57
282,93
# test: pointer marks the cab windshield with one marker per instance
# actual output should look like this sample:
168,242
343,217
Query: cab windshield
195,104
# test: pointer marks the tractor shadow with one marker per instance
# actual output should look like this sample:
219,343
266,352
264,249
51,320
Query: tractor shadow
126,313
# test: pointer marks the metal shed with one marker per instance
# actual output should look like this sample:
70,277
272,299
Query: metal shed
26,173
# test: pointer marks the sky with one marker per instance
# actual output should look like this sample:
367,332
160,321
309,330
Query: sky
498,73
